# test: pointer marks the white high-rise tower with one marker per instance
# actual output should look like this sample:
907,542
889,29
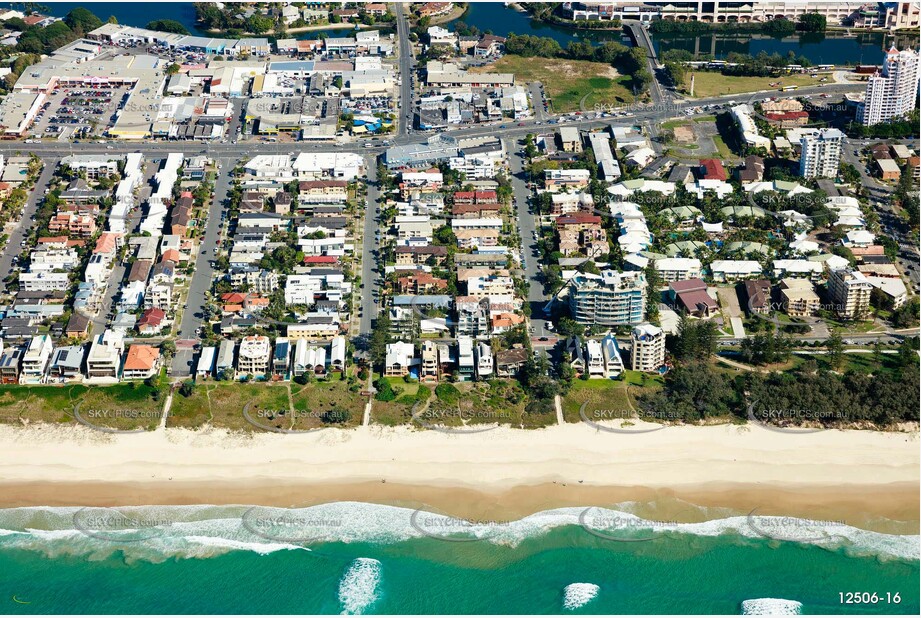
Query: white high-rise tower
893,92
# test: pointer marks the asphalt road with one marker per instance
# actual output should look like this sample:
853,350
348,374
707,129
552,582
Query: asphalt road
201,279
526,228
407,62
24,224
369,247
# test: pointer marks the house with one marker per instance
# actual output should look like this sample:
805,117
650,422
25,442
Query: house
753,170
691,297
337,350
569,139
758,295
734,270
225,357
610,352
66,363
206,360
282,356
77,326
253,358
798,297
712,169
484,361
151,321
509,362
141,362
35,360
105,356
400,359
9,366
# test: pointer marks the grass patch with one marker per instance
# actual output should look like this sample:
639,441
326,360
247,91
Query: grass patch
671,124
266,404
125,406
722,148
566,82
712,84
608,399
400,410
498,401
327,403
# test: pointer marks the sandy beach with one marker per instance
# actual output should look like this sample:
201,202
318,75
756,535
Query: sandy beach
860,477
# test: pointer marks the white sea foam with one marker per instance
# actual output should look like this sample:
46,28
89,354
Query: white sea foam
577,595
771,607
358,588
197,531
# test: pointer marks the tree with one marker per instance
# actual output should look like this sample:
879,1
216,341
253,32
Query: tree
172,69
167,25
812,22
336,416
82,19
653,296
385,392
835,348
112,20
380,337
187,388
168,348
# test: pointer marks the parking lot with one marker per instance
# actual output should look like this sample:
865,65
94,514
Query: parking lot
80,111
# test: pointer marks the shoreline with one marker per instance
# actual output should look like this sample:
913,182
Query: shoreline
890,509
866,478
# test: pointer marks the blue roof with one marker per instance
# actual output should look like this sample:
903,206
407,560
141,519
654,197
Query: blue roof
292,65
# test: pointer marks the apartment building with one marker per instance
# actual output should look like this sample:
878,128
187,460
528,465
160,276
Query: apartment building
850,292
798,297
648,348
254,355
820,154
892,92
609,299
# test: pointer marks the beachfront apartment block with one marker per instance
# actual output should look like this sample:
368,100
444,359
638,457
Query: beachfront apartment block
648,348
610,299
892,92
820,154
254,355
105,356
850,292
35,360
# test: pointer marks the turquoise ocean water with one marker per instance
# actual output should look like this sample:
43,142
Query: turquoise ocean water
372,559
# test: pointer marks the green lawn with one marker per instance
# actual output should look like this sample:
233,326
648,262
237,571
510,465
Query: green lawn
712,84
566,82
